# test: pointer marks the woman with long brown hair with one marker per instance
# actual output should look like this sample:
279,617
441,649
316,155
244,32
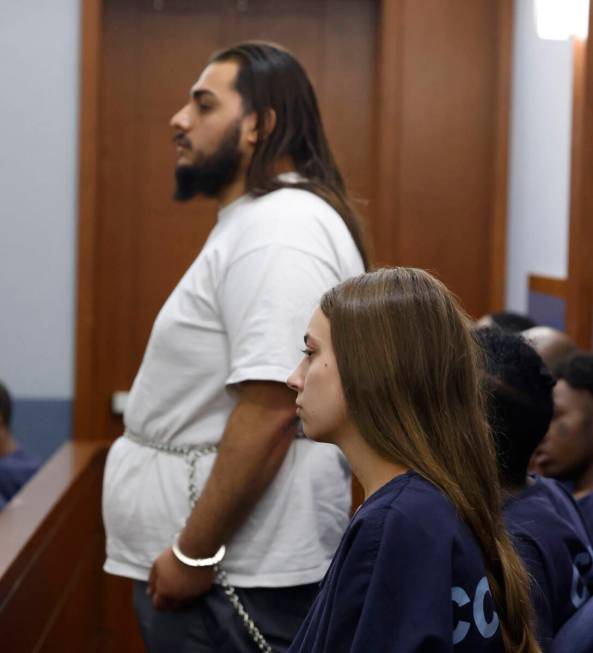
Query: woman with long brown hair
391,376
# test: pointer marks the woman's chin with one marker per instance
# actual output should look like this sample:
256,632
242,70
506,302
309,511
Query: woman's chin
315,436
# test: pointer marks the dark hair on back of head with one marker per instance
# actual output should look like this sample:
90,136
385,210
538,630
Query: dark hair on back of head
512,322
5,405
520,405
577,371
271,78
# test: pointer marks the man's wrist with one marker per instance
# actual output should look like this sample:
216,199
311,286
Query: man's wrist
208,561
194,548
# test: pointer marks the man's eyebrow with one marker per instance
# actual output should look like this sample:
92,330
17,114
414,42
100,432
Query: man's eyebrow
199,93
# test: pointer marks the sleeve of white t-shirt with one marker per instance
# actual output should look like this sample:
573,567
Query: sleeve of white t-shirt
267,299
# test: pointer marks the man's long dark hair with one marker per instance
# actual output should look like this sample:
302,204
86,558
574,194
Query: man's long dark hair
269,77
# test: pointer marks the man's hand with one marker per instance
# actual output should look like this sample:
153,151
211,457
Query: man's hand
255,441
171,583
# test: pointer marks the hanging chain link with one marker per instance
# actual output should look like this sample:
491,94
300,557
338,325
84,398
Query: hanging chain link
191,456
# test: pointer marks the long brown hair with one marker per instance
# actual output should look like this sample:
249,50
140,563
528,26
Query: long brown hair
409,367
270,77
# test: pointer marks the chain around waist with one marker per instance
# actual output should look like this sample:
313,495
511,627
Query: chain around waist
194,451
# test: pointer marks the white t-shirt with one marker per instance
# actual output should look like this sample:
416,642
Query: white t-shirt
238,314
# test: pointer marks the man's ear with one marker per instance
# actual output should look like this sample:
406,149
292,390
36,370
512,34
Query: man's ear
256,132
250,128
269,124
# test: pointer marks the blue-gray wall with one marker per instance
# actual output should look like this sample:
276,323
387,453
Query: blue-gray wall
39,55
539,165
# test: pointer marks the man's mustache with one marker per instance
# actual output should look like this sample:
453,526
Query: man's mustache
182,141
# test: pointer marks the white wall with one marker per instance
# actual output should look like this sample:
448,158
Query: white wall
39,55
539,157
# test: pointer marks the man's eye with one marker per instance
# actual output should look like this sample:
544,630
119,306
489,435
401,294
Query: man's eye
204,107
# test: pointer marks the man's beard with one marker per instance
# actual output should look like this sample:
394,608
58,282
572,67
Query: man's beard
211,174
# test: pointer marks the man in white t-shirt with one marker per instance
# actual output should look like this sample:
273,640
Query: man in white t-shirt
224,516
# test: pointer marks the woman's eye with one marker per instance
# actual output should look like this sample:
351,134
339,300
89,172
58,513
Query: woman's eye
307,352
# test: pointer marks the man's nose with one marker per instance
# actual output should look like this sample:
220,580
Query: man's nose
181,119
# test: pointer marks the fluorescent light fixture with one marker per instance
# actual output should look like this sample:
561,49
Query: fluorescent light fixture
559,20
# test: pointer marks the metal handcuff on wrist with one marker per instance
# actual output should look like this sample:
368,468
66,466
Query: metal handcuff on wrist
228,589
197,562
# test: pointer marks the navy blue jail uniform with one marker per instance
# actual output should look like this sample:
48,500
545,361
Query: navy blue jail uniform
551,538
408,577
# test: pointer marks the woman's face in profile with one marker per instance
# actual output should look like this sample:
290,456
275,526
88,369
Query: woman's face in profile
320,398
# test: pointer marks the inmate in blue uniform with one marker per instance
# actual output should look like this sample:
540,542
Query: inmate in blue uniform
551,538
586,507
408,577
16,469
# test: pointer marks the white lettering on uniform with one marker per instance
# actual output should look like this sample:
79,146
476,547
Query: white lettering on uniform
459,596
486,628
579,595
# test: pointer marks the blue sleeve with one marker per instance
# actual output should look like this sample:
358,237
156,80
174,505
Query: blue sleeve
407,606
389,590
15,470
540,588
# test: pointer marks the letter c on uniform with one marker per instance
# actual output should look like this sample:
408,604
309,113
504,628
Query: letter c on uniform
579,597
459,596
487,629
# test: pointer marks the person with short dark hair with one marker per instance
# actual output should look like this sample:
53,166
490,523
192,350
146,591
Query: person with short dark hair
224,516
509,321
566,452
546,525
17,466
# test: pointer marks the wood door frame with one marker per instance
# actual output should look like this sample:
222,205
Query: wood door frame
91,26
579,308
389,42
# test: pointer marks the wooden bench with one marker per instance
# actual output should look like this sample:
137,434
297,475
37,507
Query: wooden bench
54,596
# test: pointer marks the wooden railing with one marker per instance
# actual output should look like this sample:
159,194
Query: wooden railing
553,286
54,596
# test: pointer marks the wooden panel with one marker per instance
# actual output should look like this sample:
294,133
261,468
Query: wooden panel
119,631
448,111
498,227
388,135
87,204
579,310
445,140
51,554
548,285
54,595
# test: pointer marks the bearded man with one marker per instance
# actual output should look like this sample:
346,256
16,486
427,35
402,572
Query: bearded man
222,514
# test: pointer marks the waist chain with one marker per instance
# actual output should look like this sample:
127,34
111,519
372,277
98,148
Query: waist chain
192,454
